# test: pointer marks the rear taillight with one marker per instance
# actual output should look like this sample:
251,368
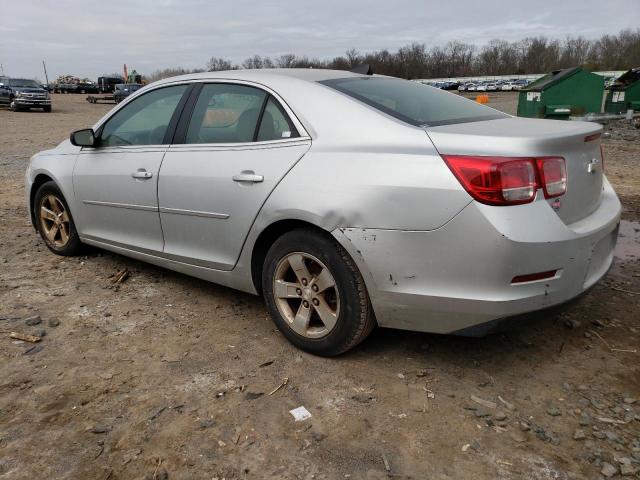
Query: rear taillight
509,180
553,176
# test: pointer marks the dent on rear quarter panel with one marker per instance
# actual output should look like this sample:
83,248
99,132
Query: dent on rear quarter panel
383,190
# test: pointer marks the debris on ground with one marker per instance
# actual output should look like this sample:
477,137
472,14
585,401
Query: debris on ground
120,276
25,337
285,381
484,403
300,414
32,321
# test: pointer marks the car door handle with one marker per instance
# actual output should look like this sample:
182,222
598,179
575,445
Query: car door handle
248,176
141,173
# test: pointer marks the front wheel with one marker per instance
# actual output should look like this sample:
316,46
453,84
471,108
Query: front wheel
47,108
315,293
54,221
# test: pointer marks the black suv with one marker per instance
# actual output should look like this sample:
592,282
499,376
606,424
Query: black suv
24,94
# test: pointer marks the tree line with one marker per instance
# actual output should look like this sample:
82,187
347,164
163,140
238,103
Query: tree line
458,59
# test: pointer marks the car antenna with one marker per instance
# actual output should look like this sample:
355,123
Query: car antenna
364,69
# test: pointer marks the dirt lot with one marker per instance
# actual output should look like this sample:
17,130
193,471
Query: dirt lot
164,376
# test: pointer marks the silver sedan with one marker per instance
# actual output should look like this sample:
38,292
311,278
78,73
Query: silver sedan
346,200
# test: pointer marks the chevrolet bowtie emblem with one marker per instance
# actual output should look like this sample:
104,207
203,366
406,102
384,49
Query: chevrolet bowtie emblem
592,166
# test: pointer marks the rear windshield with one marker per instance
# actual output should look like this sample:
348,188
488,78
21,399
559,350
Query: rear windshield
413,102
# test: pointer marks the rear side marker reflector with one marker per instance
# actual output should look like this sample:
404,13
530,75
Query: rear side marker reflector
590,138
509,180
534,277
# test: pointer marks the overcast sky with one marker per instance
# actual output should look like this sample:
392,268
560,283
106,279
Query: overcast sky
89,38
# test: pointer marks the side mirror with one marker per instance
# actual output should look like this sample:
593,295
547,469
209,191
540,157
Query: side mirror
83,138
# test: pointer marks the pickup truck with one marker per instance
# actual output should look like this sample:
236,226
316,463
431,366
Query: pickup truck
24,94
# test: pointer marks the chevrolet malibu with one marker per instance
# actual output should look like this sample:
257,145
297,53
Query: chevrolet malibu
346,200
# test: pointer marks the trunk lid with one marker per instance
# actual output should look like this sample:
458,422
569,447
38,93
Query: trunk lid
577,142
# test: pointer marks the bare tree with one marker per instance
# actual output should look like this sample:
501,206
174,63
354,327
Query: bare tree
286,61
353,57
455,59
216,64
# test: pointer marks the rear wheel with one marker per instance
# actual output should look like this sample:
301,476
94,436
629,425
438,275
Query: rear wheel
315,293
54,221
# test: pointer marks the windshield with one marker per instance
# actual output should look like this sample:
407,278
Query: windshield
413,102
23,82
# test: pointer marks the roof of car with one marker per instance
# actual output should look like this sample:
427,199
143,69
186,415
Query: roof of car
306,74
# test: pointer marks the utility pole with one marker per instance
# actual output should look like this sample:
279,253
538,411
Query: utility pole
2,69
45,72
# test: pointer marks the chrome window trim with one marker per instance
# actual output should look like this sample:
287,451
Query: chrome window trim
185,147
303,134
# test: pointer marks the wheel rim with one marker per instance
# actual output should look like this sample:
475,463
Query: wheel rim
54,220
306,295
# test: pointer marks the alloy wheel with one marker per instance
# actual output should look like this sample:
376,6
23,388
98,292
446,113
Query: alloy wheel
54,221
306,295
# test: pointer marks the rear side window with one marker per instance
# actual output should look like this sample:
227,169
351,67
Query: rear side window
229,113
275,123
225,113
413,102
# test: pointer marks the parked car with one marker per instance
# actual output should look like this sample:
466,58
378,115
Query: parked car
507,87
471,87
24,94
520,84
481,87
491,87
62,87
85,87
123,90
301,185
5,93
462,87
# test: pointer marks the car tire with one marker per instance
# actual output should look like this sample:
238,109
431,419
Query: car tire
327,313
54,221
13,107
47,109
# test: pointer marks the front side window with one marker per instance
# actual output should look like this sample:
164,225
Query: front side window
145,120
225,113
413,102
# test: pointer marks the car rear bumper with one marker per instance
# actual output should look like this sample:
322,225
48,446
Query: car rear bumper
459,275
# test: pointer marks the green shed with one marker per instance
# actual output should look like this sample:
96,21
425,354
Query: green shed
624,94
572,91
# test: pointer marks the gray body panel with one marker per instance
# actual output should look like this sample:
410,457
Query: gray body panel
205,216
432,258
111,205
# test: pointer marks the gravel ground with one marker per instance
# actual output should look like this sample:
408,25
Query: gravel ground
167,377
